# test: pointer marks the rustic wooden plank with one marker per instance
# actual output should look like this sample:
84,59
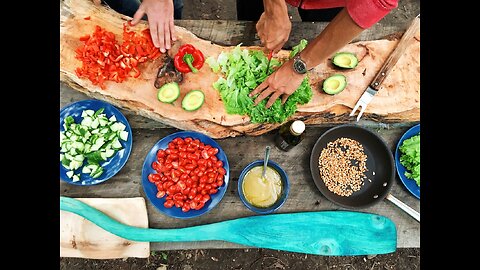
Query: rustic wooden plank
82,239
304,195
69,95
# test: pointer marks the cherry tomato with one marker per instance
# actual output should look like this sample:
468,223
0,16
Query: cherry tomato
168,203
220,183
172,145
160,153
219,164
186,207
179,204
221,171
181,185
208,186
190,166
205,154
214,159
182,154
188,140
160,194
200,205
153,177
211,151
186,191
205,198
213,191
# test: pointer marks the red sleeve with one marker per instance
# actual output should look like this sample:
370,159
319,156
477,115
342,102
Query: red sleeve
368,12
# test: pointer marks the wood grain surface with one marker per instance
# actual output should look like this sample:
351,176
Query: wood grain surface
399,100
82,239
303,196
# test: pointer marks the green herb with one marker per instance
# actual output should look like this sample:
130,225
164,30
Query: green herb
244,70
410,157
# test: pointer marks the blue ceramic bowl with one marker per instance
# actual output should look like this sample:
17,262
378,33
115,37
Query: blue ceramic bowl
410,184
283,196
151,190
112,165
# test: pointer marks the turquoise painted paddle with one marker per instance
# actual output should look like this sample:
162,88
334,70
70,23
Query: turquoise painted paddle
321,233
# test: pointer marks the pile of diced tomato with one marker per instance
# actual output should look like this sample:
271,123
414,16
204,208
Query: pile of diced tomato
187,173
104,59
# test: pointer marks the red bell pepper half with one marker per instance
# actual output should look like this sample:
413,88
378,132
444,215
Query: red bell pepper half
188,58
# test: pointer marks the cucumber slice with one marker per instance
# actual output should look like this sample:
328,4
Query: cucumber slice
112,118
95,123
103,155
109,153
103,121
87,121
97,172
89,112
70,174
193,100
116,144
61,157
124,135
169,92
76,178
86,170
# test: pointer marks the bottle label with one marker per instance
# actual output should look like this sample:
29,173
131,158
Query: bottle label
283,144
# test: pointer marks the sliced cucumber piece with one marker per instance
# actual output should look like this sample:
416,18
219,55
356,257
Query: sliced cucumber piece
193,100
86,170
109,153
87,121
89,112
103,155
95,123
169,92
69,174
118,126
112,118
116,144
124,135
61,157
76,178
97,173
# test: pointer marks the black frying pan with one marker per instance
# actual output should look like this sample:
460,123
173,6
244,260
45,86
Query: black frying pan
379,160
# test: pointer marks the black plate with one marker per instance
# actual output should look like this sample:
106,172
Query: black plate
379,160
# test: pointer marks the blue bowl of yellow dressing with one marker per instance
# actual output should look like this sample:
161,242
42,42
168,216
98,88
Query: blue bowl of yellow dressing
263,196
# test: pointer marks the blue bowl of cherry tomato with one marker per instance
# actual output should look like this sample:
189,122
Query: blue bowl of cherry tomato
185,174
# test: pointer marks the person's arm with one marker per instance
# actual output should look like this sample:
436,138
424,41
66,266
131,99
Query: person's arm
283,82
273,27
349,23
160,21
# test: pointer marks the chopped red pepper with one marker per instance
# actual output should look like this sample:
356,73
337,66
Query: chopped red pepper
87,18
188,58
103,58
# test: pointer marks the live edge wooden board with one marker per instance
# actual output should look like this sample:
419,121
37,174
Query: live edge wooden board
398,99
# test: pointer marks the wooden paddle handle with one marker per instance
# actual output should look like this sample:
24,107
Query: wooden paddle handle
396,54
320,233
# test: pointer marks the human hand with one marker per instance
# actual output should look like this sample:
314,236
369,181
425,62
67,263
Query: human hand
283,82
160,21
273,30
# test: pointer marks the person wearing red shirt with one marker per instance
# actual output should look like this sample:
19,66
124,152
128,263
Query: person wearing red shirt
350,18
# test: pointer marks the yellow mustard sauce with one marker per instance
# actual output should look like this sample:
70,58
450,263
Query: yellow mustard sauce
262,192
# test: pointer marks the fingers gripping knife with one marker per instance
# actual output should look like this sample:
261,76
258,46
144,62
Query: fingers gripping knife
373,88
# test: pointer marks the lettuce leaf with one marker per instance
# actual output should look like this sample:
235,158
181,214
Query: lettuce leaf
242,71
410,157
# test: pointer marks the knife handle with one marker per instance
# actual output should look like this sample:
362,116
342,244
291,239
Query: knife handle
396,54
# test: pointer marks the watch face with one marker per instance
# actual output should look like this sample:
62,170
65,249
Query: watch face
299,66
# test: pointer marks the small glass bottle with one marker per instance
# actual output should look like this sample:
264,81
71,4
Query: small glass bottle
290,134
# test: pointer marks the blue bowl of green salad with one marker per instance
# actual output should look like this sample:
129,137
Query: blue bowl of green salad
407,160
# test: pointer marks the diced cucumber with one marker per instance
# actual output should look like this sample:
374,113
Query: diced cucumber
116,144
95,123
117,126
111,136
124,135
62,137
70,174
66,163
76,178
84,114
61,157
109,153
87,150
99,111
68,156
103,155
73,151
104,130
87,121
112,118
92,167
89,112
79,158
68,134
103,121
74,137
86,170
78,146
69,120
97,172
75,164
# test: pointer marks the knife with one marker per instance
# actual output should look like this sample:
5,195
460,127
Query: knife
374,86
269,60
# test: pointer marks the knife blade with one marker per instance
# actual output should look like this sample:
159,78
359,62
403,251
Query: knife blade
269,60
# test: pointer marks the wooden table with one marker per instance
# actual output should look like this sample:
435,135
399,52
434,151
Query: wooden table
303,196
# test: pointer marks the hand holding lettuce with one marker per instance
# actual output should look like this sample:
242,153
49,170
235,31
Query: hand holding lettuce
243,71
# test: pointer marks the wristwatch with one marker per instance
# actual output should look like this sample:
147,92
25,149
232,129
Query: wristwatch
299,64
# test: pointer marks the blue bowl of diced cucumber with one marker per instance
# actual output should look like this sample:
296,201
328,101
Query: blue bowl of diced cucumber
95,142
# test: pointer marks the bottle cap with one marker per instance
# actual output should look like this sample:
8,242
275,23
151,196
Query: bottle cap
298,127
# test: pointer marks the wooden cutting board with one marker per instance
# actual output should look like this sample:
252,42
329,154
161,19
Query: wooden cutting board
397,101
83,239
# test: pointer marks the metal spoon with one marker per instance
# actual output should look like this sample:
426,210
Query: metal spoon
265,161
